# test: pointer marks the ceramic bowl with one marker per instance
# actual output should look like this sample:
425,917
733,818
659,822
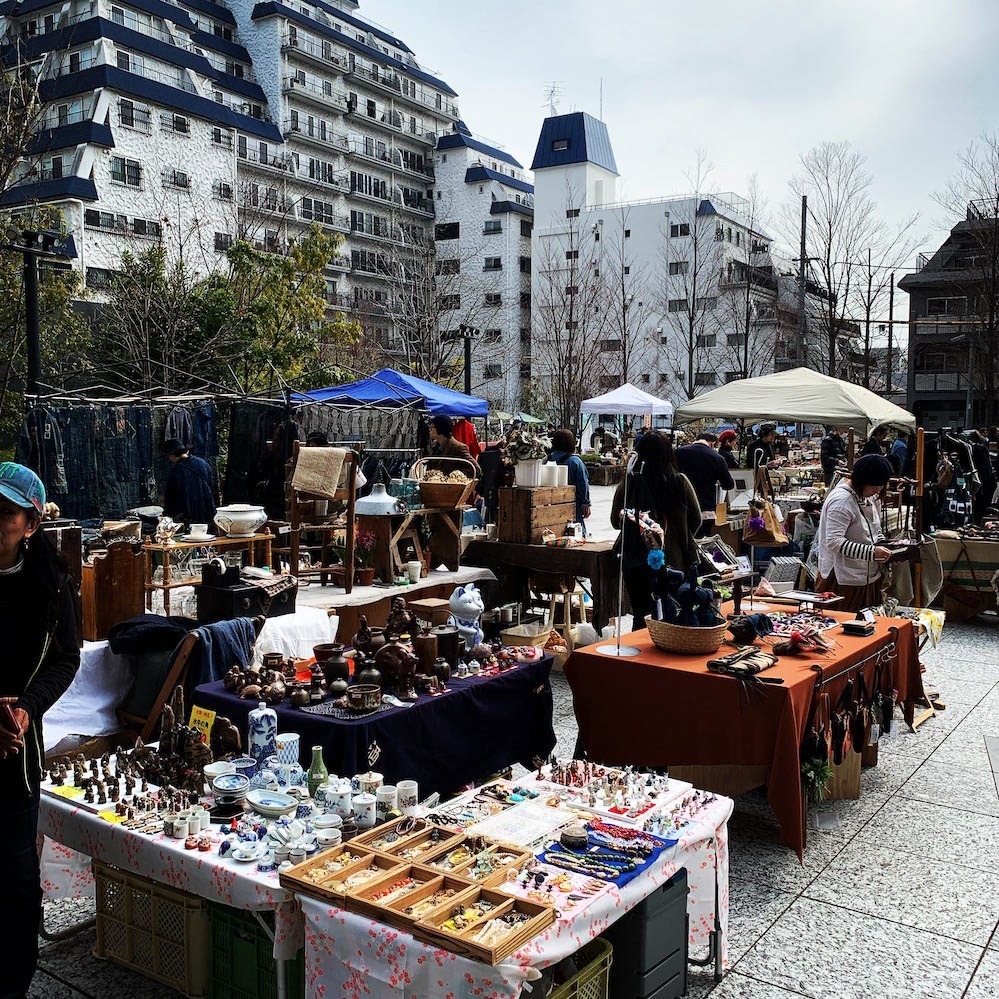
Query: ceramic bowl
329,820
227,789
213,770
271,804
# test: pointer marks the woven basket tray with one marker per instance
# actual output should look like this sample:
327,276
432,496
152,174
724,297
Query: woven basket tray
677,638
445,495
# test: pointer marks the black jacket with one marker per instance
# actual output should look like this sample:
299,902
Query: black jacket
41,655
706,469
832,451
189,497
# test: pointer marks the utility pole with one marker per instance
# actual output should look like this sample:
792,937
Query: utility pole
802,263
867,324
891,326
468,333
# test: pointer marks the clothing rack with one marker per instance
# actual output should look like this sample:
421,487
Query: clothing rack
885,653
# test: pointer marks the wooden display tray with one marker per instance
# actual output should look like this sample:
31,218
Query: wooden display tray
431,930
464,870
424,841
394,913
372,836
296,879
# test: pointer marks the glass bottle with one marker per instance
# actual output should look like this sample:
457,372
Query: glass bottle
318,774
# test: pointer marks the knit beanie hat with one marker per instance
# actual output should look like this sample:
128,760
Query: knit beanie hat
871,470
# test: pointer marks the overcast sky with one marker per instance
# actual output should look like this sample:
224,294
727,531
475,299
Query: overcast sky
909,83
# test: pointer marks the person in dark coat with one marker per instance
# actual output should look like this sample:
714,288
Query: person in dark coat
41,657
875,444
726,448
564,453
189,497
832,453
706,470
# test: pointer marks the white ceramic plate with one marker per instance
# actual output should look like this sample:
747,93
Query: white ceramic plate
248,857
271,803
198,537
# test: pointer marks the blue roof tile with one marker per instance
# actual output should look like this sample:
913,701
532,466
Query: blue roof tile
458,139
477,174
581,138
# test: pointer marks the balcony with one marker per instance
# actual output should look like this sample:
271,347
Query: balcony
278,162
321,95
319,53
338,264
377,199
276,206
418,206
381,234
424,173
393,123
940,381
330,221
326,140
369,152
411,93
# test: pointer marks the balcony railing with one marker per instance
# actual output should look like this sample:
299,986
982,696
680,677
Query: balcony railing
319,52
328,139
282,162
357,147
394,122
412,93
943,381
319,94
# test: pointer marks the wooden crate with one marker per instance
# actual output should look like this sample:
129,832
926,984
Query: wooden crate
525,514
432,930
393,912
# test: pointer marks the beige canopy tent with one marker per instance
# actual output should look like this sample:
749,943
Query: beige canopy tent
798,395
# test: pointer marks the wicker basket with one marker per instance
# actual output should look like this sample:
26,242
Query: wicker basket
677,638
445,495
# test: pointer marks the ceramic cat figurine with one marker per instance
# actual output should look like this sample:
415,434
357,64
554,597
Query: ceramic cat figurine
466,609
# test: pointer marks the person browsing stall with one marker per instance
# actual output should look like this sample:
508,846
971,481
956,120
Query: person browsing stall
849,539
706,470
726,448
832,453
564,453
189,496
41,657
875,444
654,486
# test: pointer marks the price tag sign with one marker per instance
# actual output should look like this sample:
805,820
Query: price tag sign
202,719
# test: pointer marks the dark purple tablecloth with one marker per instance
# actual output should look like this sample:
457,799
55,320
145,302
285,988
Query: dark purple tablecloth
480,727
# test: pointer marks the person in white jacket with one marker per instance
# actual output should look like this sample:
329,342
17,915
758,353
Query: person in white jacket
849,539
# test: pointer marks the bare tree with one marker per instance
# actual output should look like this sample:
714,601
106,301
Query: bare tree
842,224
972,195
21,113
568,315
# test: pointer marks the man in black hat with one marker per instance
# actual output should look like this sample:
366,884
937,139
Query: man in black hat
189,497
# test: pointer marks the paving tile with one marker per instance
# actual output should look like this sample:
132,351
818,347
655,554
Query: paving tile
893,770
739,986
969,790
851,814
752,909
827,952
992,748
985,984
44,986
935,833
958,690
878,880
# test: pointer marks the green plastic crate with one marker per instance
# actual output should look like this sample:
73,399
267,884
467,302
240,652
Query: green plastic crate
593,979
243,965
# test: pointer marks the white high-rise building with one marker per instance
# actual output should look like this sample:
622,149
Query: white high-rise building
675,295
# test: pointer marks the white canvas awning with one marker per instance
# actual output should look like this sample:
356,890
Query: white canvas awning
627,400
798,395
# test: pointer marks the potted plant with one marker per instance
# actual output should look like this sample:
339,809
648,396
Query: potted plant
527,451
364,547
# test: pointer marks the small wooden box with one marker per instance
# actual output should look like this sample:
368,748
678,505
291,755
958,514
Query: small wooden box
438,858
311,878
436,610
431,928
367,903
525,514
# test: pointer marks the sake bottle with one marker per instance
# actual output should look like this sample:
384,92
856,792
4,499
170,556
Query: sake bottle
318,773
262,733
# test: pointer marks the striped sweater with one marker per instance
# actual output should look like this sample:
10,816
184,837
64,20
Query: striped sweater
849,530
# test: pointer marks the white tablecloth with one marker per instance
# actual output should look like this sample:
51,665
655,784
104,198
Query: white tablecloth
296,634
88,706
352,956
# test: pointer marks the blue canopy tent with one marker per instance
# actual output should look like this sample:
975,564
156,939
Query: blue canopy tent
393,389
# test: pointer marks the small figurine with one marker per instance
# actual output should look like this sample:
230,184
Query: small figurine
401,620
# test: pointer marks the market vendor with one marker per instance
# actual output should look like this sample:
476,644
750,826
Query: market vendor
189,497
657,488
726,447
442,440
849,538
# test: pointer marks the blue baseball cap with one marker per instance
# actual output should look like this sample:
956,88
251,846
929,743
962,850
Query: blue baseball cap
20,485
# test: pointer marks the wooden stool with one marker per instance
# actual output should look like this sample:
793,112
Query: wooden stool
436,610
560,590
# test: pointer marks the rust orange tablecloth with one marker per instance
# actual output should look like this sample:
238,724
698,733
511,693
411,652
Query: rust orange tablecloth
665,709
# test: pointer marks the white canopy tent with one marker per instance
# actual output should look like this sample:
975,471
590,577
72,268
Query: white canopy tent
627,400
798,395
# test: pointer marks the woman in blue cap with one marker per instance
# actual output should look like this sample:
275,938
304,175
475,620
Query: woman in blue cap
41,657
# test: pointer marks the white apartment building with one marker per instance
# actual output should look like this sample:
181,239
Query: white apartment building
196,123
676,295
485,215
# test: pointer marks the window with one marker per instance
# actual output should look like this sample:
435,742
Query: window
732,376
129,62
125,171
525,265
706,378
526,228
719,233
175,123
572,325
176,178
736,339
560,145
627,234
609,346
493,298
241,147
707,340
99,277
492,371
525,370
450,302
572,254
707,304
222,191
493,336
525,299
493,264
627,270
677,305
572,213
678,266
947,306
728,234
147,227
447,230
491,226
678,229
572,289
525,336
222,242
449,266
55,167
645,378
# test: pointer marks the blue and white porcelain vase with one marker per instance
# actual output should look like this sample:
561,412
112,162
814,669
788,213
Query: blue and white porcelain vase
262,733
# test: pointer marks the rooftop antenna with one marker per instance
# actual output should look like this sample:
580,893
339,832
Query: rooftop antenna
553,91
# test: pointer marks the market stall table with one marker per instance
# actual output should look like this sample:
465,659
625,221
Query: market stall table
662,709
350,954
984,563
481,726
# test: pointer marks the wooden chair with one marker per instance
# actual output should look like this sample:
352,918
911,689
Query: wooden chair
299,499
179,674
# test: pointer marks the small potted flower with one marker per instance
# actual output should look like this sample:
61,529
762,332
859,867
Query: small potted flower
364,547
528,452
